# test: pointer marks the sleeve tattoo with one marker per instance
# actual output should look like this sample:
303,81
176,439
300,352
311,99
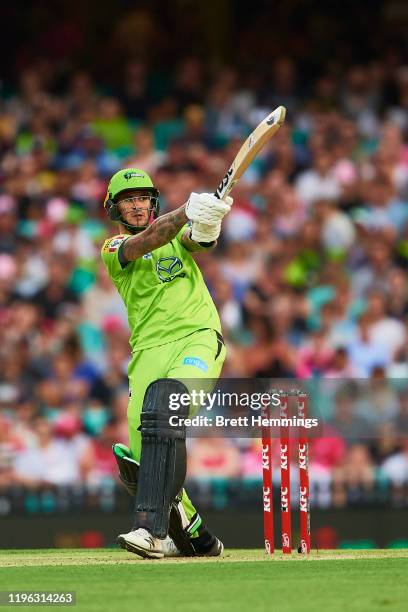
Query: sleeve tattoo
159,233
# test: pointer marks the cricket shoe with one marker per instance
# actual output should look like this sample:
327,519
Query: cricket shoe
142,543
169,548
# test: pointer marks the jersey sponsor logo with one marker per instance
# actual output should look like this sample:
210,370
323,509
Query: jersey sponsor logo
196,362
147,256
168,268
113,244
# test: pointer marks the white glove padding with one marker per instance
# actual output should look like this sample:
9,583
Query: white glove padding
202,232
207,208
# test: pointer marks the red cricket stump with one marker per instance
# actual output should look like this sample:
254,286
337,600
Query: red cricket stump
269,535
304,487
285,479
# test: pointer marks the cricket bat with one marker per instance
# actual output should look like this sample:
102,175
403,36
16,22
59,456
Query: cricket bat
251,147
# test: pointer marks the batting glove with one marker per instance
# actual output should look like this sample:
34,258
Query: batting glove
207,208
202,232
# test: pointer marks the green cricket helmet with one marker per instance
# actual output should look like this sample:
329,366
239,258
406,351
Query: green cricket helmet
129,179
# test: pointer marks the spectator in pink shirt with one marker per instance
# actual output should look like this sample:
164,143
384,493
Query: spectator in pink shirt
315,357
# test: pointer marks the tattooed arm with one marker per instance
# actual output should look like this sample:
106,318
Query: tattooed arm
159,233
193,246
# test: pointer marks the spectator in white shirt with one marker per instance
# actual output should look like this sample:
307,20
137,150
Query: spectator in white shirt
318,183
385,330
50,462
396,467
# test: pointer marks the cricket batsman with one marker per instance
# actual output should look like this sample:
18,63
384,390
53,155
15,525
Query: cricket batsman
175,336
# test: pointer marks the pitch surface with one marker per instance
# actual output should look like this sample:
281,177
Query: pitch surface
343,580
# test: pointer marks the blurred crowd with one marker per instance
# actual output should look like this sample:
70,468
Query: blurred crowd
309,277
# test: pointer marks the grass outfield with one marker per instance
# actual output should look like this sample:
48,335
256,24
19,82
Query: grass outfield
343,580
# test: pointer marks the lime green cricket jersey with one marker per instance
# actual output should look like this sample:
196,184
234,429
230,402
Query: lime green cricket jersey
164,293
